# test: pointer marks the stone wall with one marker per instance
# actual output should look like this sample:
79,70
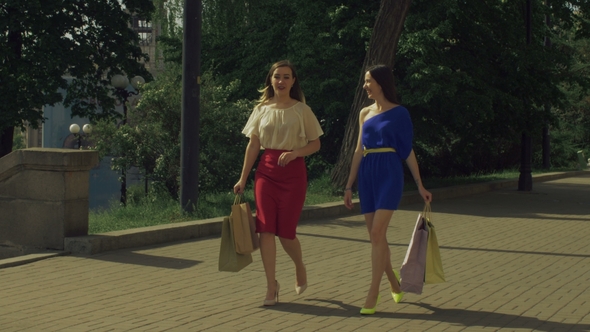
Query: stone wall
44,196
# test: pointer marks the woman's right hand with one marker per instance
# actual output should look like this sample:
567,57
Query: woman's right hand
239,187
348,199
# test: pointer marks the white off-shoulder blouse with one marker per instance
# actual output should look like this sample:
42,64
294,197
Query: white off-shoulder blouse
283,129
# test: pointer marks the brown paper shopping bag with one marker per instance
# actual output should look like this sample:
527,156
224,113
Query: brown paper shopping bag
244,227
413,267
229,259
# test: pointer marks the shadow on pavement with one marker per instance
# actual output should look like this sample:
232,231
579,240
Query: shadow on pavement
405,245
491,319
458,317
556,199
147,260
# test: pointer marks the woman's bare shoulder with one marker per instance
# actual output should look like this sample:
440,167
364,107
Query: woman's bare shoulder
365,111
369,108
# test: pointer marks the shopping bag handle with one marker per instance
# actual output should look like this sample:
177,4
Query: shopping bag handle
239,199
427,211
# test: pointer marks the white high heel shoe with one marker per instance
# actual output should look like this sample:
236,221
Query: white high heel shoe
275,300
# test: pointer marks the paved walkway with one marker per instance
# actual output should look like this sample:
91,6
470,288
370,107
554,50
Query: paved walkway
514,262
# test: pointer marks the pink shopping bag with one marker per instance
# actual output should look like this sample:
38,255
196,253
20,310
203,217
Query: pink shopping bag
413,268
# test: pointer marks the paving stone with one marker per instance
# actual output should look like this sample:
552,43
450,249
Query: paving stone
513,261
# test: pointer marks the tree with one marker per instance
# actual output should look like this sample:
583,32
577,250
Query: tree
382,49
151,139
41,41
325,39
473,85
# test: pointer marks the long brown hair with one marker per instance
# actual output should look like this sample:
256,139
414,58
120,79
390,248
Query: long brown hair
268,92
384,77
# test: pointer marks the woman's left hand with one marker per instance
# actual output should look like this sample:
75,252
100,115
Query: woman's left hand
348,199
426,195
286,157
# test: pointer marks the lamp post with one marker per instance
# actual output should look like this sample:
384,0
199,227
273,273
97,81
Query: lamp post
191,87
120,83
75,130
525,180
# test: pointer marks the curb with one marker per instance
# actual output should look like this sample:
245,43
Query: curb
153,235
138,237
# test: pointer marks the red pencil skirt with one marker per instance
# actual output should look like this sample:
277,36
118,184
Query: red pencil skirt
279,193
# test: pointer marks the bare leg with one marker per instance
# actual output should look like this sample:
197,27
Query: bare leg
379,253
393,282
293,249
268,251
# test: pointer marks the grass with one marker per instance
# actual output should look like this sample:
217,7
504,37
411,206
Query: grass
153,210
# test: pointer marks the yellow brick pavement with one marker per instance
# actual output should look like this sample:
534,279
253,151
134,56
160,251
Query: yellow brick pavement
514,261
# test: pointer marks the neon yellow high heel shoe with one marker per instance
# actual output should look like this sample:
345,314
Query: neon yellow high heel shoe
397,297
371,311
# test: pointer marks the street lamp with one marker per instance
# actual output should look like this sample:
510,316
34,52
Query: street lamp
75,130
120,83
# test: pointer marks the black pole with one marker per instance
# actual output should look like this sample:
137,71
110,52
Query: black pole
546,143
124,170
546,135
525,180
191,80
528,22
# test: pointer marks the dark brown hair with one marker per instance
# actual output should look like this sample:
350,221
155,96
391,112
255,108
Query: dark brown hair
268,92
384,77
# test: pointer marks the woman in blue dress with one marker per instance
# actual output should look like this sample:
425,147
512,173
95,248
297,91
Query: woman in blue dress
384,142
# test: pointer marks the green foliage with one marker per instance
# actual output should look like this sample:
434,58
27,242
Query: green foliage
473,85
571,132
158,208
18,142
42,41
169,16
326,40
463,68
151,138
142,210
222,143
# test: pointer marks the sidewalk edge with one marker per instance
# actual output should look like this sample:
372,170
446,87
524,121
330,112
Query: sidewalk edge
138,237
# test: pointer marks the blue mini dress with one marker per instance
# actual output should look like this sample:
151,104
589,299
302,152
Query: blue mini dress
381,175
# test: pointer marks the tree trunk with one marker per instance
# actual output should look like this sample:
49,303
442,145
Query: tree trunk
382,48
6,138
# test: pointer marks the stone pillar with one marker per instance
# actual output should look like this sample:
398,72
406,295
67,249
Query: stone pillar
44,196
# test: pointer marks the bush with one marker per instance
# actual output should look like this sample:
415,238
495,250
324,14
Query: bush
18,141
151,139
222,144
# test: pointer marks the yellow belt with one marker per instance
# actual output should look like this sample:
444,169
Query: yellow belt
377,150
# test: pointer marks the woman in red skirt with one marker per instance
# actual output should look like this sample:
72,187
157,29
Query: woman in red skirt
286,128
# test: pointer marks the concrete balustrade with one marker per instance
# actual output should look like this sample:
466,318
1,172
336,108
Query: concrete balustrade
44,196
